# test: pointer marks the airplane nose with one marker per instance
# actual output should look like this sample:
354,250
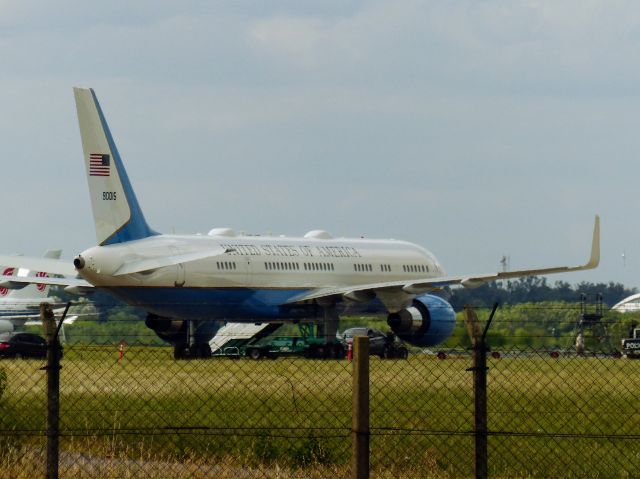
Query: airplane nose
78,262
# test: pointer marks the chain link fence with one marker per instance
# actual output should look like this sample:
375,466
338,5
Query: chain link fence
138,412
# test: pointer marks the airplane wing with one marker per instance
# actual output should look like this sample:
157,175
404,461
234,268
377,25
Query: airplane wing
420,286
36,321
47,265
75,282
22,317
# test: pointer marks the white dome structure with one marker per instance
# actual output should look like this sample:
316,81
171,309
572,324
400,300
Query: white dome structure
628,305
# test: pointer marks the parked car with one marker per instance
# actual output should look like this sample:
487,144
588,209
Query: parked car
23,345
385,345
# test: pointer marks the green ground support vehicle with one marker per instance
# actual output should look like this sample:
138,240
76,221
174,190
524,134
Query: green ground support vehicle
309,345
263,345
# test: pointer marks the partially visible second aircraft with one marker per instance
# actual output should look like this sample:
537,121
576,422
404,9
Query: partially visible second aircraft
19,301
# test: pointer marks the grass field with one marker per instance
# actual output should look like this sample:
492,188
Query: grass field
152,416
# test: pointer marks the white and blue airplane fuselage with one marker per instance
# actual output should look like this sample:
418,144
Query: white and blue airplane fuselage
252,277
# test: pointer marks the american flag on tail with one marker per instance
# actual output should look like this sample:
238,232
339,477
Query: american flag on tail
99,164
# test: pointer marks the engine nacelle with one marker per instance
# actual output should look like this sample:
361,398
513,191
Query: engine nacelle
428,321
175,331
167,329
6,326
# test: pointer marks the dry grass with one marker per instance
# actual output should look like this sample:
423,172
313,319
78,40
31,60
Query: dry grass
290,418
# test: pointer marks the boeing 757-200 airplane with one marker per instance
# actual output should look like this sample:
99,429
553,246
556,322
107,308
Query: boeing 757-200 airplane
185,281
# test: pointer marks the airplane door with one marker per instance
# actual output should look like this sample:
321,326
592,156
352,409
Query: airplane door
245,269
179,271
180,275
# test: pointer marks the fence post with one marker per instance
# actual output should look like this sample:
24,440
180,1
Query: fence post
53,389
360,413
479,369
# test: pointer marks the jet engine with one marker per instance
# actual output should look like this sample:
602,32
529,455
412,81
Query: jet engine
167,329
428,321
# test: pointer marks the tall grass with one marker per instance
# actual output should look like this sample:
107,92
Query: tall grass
566,417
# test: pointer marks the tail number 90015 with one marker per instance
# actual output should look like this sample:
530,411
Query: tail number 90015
108,195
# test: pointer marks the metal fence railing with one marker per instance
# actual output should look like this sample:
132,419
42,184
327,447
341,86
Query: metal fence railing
550,413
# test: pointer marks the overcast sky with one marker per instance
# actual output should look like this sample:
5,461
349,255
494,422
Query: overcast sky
476,129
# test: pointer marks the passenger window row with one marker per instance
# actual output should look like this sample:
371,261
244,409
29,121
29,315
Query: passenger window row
228,265
362,267
318,267
281,266
385,268
287,266
415,268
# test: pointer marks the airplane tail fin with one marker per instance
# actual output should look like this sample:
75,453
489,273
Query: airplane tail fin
34,291
116,212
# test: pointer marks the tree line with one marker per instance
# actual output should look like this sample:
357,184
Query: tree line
535,289
532,313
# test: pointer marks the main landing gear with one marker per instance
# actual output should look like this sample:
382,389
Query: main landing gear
326,345
195,351
191,348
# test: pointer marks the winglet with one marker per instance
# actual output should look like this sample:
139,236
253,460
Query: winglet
594,260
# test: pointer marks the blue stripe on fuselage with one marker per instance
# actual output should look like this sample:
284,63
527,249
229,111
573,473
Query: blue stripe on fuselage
213,303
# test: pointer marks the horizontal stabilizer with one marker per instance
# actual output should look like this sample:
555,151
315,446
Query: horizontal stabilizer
148,264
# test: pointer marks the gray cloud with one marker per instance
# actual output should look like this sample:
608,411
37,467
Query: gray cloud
474,128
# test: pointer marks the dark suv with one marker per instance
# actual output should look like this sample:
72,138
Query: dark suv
22,345
380,344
